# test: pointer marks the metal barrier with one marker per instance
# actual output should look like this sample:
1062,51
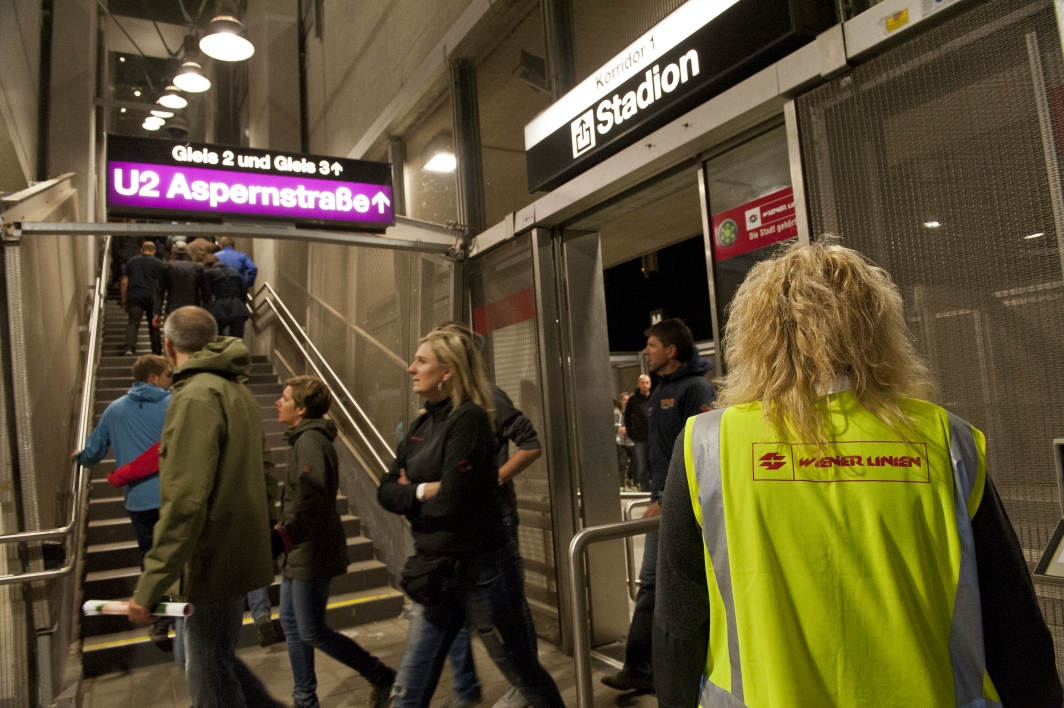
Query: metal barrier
578,594
292,326
629,547
79,478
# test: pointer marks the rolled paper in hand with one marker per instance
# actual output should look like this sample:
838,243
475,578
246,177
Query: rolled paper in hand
121,607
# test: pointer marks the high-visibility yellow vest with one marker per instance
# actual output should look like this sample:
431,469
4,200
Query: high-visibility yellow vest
843,576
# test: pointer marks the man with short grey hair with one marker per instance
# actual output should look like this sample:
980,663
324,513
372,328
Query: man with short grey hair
213,534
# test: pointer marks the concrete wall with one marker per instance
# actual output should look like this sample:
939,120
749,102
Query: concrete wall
368,52
72,120
20,34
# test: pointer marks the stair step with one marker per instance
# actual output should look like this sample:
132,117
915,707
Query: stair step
118,360
122,651
108,372
123,554
122,582
107,386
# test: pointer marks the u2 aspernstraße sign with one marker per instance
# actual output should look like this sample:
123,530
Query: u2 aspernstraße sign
164,179
748,227
701,49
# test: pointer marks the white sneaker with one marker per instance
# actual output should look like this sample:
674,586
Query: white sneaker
512,699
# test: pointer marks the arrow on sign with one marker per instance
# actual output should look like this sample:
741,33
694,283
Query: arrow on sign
381,201
337,168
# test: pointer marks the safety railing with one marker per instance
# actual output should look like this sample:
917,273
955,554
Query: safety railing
325,372
578,593
629,546
79,478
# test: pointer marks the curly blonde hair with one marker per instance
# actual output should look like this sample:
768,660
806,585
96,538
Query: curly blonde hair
806,317
456,350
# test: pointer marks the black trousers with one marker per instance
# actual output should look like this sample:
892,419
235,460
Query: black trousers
138,307
231,327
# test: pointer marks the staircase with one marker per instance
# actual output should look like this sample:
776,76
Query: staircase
112,562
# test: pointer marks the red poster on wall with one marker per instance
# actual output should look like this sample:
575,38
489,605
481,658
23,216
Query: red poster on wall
748,227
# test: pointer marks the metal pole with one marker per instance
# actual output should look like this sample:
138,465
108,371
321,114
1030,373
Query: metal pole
470,172
629,547
558,32
578,594
397,156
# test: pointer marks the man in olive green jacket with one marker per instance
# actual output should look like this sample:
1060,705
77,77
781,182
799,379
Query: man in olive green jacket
213,534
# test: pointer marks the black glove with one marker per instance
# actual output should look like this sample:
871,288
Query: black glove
276,543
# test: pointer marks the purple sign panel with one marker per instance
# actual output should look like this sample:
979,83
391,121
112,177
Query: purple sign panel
181,189
166,179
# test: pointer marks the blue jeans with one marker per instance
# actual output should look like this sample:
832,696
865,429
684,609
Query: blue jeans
642,471
466,683
638,651
303,620
259,603
491,606
216,677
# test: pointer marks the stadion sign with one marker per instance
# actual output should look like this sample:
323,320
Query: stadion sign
701,49
164,179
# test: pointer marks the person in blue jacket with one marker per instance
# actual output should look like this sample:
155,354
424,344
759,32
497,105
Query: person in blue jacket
129,426
683,391
238,261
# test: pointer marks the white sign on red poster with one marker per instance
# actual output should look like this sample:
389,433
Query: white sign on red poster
748,227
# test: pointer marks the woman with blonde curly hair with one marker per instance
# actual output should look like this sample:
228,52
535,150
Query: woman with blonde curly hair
446,482
821,529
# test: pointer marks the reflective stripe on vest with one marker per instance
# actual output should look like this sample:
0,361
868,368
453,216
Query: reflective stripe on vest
724,680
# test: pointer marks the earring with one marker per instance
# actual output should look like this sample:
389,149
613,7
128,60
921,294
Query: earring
439,386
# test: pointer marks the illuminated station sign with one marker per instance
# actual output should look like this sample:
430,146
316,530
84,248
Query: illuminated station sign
164,179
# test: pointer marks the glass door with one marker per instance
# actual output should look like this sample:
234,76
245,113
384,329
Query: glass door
750,205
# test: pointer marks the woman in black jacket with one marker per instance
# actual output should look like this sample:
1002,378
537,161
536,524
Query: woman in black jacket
445,481
312,537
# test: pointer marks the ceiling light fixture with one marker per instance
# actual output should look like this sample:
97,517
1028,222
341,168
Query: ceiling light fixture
137,92
154,119
161,114
226,39
442,162
190,78
932,224
172,98
1040,234
151,126
123,110
122,59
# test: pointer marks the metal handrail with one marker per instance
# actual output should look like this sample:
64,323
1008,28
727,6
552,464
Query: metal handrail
629,547
310,360
578,594
325,363
79,476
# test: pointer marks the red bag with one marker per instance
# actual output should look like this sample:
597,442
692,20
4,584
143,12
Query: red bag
145,465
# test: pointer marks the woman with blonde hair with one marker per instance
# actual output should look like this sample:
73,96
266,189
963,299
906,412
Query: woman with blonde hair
821,529
445,481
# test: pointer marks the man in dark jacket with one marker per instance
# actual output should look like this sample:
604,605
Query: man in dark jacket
635,427
213,535
181,284
228,297
682,393
140,278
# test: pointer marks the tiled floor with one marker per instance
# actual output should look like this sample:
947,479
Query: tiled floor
163,686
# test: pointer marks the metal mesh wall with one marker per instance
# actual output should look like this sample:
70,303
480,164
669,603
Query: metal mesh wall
497,281
938,160
365,309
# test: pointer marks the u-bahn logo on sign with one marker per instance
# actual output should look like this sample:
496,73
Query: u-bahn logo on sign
727,232
583,133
